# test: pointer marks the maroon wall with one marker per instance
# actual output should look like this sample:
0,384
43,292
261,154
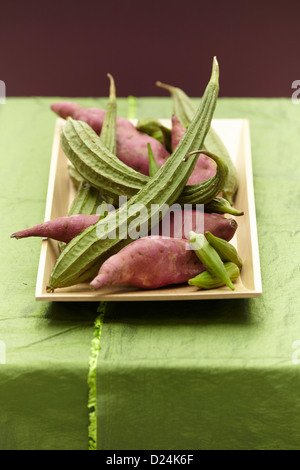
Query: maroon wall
67,48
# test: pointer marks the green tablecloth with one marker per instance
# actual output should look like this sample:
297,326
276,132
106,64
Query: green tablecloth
187,375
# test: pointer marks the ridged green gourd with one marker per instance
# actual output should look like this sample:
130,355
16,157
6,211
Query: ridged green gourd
104,171
82,258
75,176
86,201
185,110
87,198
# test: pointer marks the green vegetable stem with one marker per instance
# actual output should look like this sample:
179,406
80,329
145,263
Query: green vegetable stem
153,166
184,109
209,257
222,206
155,129
225,250
206,280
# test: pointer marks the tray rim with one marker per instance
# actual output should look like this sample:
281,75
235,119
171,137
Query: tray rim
162,294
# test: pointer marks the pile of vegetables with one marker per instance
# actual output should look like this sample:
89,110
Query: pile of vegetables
150,167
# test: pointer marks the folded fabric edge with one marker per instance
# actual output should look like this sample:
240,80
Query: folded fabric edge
92,398
95,346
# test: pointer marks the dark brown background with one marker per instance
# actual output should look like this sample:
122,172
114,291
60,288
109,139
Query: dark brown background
66,48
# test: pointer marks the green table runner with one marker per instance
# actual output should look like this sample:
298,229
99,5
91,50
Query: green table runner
186,375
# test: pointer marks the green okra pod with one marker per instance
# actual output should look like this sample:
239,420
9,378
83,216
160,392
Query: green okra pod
108,132
154,128
206,280
103,170
203,193
83,256
88,198
226,251
222,206
75,176
209,257
184,109
153,166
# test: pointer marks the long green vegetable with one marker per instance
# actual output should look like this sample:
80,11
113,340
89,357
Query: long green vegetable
225,250
88,198
75,176
103,170
153,166
83,256
209,257
185,110
97,164
108,132
206,280
86,201
222,206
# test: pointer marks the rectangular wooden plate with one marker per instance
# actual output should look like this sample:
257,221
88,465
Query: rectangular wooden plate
236,136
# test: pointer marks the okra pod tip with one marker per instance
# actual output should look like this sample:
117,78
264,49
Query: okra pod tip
112,90
215,70
209,257
196,240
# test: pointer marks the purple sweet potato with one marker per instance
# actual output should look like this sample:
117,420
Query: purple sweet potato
62,229
205,167
177,132
181,222
132,145
66,108
94,117
178,225
149,263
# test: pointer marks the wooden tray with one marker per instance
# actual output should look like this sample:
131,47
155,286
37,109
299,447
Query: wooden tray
236,136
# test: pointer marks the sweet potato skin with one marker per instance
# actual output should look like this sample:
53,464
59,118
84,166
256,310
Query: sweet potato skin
205,167
177,131
92,116
149,263
61,229
132,145
66,108
183,221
